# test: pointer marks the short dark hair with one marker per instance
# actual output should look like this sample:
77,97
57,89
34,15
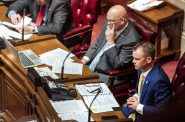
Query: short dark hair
148,48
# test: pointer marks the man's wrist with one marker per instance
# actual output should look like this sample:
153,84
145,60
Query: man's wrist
11,12
139,108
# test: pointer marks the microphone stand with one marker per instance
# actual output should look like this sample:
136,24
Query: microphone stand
89,110
24,11
62,69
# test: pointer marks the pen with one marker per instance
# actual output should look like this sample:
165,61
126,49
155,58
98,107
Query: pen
94,90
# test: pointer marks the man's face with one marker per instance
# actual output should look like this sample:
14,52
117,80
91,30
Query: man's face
116,21
140,61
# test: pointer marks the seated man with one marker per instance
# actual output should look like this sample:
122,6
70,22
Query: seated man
113,48
50,16
153,90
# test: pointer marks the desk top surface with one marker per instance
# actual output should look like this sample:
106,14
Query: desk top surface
162,13
41,47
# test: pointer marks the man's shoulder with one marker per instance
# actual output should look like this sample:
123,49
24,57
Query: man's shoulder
159,73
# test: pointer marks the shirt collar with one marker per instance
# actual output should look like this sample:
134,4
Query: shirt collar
119,31
146,73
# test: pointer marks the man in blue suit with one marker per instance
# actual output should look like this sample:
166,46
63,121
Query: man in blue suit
153,89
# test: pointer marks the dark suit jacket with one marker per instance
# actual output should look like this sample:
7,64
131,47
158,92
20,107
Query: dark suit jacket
155,96
58,14
118,56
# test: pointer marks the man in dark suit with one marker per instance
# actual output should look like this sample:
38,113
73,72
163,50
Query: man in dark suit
49,16
113,48
153,89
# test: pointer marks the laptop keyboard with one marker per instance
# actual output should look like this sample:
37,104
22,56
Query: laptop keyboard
25,60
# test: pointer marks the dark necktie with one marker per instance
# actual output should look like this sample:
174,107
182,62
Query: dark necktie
40,15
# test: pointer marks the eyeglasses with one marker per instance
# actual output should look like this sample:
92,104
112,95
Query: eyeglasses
114,21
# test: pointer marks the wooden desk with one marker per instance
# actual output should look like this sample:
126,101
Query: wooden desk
34,37
170,19
18,95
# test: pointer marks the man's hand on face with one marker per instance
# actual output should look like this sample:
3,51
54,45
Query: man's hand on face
15,18
27,29
110,35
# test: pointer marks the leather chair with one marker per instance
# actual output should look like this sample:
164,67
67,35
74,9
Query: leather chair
120,90
176,109
85,14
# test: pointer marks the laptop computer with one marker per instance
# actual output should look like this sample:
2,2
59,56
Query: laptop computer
27,58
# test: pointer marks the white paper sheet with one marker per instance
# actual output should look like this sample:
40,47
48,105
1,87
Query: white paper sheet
68,106
27,20
9,33
87,89
142,5
78,116
71,109
69,67
102,103
56,55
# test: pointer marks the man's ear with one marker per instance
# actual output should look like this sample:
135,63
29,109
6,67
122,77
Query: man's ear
149,60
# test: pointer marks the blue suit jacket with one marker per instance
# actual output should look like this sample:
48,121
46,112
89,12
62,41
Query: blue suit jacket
156,93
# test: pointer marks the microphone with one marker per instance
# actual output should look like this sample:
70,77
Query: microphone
24,12
89,110
62,69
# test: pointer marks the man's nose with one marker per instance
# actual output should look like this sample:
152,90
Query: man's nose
133,61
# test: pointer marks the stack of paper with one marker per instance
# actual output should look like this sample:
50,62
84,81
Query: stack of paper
55,58
7,33
71,109
104,102
142,5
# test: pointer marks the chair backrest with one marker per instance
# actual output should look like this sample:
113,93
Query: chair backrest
146,34
176,108
85,11
179,76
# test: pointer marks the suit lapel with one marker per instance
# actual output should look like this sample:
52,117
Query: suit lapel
147,83
36,10
49,9
124,33
145,87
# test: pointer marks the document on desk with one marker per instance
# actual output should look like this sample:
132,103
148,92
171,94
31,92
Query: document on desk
55,55
71,109
55,58
104,102
90,89
10,33
7,33
142,5
69,67
27,20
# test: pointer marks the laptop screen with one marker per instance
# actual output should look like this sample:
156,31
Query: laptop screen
12,51
27,58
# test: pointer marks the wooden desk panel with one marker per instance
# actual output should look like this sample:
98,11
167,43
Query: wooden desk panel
169,19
